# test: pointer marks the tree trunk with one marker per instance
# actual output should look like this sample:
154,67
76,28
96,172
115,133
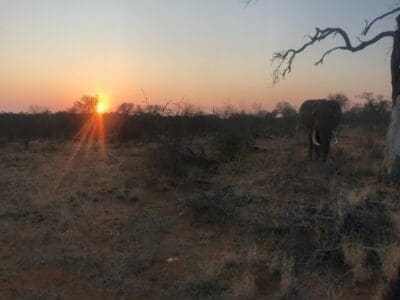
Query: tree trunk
391,164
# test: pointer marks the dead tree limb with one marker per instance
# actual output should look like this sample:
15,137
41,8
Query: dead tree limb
284,59
361,46
368,25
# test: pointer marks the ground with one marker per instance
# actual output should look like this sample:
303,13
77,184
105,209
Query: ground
93,223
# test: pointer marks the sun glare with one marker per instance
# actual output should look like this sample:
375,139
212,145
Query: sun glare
101,107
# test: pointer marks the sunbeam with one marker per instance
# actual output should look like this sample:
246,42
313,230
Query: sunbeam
92,132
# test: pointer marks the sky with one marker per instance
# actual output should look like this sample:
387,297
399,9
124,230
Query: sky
205,52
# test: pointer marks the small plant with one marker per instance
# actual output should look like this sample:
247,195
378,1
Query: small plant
363,170
217,207
206,289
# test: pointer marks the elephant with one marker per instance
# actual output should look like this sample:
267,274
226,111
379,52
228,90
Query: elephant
320,117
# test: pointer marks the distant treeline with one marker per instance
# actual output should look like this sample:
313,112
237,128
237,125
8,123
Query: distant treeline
133,122
141,126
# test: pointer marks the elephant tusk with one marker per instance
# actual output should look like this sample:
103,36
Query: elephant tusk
334,136
314,138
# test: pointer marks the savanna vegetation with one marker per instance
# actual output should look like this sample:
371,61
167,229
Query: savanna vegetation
132,122
153,202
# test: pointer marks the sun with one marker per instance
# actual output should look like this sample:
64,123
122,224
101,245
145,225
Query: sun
102,104
101,107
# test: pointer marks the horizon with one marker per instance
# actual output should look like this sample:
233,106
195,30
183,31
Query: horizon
208,54
104,107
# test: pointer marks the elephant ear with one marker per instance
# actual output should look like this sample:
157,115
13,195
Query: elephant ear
315,110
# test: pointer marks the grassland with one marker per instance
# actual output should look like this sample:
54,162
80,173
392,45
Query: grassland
127,224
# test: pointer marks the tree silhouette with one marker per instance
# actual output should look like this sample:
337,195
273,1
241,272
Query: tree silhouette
125,108
87,104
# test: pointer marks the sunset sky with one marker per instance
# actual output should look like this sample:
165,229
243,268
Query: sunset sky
207,52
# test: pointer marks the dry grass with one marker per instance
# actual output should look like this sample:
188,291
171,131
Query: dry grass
268,224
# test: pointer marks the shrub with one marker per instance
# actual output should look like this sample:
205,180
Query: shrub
368,222
176,156
215,206
367,231
231,143
167,158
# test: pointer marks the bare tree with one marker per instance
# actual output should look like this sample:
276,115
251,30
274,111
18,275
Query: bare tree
35,109
87,104
125,108
283,61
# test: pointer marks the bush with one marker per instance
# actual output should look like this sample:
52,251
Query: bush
231,144
176,156
215,206
368,222
367,231
167,158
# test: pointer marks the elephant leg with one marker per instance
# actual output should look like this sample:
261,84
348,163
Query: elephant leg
324,156
325,153
317,152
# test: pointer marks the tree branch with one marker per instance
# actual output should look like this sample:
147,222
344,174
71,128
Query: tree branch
368,25
247,2
361,46
285,59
